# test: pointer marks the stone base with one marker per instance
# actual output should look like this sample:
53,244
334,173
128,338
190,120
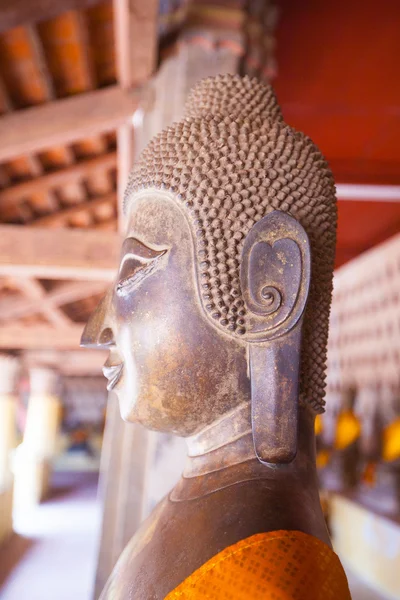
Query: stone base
31,480
368,543
6,507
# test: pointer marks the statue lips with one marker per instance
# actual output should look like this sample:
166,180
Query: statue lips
113,374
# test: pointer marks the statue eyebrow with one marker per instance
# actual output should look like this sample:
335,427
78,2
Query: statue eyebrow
136,248
147,261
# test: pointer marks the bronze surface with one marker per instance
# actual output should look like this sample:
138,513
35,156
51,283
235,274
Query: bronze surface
219,348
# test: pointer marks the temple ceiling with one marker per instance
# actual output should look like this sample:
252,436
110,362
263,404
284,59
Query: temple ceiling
73,74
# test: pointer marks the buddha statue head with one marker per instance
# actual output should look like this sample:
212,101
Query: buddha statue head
223,292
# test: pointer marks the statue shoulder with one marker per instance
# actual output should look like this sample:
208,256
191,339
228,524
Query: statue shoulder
180,536
134,557
163,552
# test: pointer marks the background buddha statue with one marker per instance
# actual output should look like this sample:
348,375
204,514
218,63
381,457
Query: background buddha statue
378,407
217,328
338,441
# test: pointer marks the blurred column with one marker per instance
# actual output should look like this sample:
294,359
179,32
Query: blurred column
9,370
35,454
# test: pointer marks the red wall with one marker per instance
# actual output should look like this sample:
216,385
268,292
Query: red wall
339,82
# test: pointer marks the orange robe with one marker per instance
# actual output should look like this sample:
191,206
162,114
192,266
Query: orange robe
279,565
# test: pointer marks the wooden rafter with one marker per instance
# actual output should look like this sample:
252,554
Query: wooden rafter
46,199
67,362
40,59
107,225
47,81
22,12
62,217
65,293
40,337
64,121
5,101
58,254
136,40
87,58
37,294
84,77
133,20
45,183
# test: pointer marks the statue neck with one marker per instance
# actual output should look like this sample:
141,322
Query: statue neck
226,442
222,455
219,456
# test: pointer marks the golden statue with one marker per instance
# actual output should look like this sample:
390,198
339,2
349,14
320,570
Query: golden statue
217,327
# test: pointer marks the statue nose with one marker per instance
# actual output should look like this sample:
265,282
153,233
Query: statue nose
98,331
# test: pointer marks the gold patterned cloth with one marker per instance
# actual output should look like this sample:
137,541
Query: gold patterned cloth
279,565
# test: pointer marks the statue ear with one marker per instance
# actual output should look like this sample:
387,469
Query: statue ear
275,279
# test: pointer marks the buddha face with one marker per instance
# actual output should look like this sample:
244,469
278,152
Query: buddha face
170,368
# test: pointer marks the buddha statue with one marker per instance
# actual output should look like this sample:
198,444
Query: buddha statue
378,407
217,328
338,456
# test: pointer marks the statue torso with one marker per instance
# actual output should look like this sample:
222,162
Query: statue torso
180,536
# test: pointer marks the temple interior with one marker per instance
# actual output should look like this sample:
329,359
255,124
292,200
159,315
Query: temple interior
84,86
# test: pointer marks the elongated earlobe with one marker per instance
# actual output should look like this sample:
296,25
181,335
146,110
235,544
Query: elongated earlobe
275,279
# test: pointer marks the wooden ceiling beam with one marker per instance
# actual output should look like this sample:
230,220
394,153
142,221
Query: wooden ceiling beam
40,337
61,217
45,183
136,40
23,12
67,362
58,253
6,104
82,33
64,121
108,225
47,199
67,292
41,62
37,294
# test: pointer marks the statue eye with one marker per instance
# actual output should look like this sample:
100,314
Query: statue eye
133,271
138,262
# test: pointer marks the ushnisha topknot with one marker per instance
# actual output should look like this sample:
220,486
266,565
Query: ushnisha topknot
236,97
230,162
